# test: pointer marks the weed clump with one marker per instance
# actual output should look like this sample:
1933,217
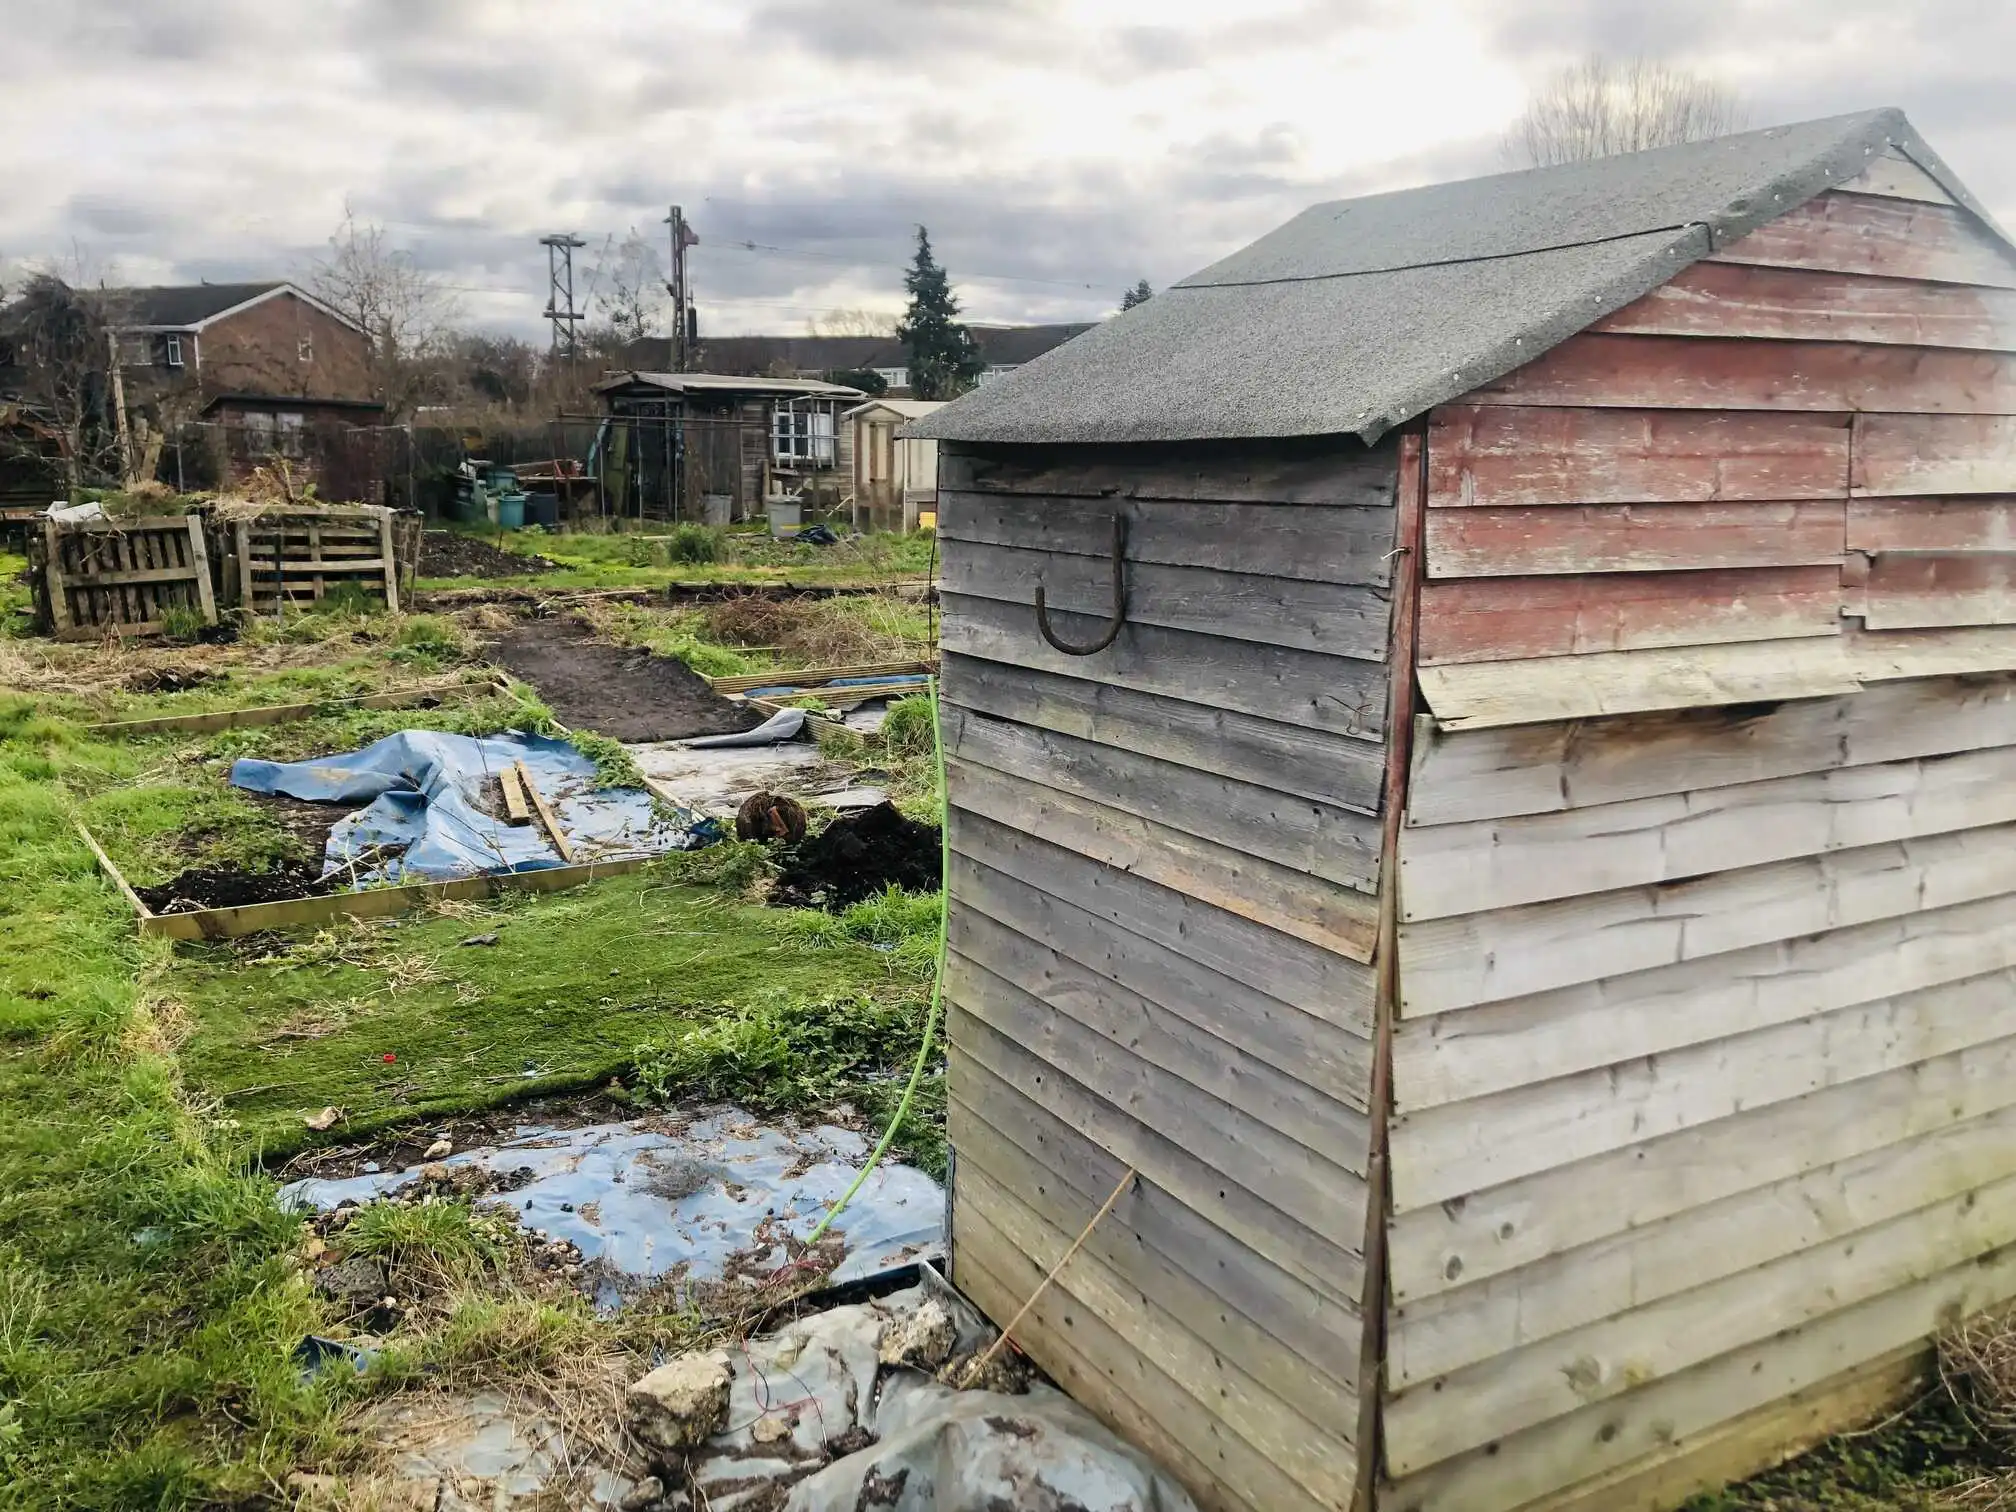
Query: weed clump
694,544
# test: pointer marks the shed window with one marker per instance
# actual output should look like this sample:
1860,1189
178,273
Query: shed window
806,433
259,433
304,349
173,353
287,435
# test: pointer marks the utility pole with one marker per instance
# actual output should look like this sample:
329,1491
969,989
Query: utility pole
560,289
685,322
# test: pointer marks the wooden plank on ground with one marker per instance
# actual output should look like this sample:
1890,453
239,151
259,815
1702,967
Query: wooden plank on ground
1439,1249
1442,1153
1325,840
1336,619
1488,774
1314,1075
1472,1325
1340,694
376,902
1295,1343
1280,965
1796,304
1508,618
1289,757
1934,454
1313,542
1502,863
1488,957
548,820
1271,1450
1607,1435
1861,233
1715,373
1322,913
1553,688
1497,456
1157,1240
1569,538
1336,470
517,807
1332,1269
1921,592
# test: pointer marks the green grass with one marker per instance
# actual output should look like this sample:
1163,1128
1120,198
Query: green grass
575,983
672,554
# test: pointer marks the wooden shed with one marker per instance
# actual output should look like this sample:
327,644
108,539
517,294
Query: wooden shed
895,474
1483,770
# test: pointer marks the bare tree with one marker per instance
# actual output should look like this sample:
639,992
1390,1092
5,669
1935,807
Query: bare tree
851,322
634,306
405,311
1598,109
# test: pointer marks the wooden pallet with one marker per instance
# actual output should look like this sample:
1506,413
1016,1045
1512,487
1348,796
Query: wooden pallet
289,558
121,577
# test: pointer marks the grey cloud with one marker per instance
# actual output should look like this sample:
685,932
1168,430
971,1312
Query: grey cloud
116,215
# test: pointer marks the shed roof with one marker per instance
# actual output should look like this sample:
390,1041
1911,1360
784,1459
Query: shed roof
190,307
908,409
726,383
1359,314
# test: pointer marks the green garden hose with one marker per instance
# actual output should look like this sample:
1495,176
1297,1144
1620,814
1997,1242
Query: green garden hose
937,982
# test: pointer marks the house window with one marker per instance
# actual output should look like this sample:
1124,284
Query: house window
304,349
174,351
806,433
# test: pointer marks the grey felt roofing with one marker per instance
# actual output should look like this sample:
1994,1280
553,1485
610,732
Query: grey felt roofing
1359,314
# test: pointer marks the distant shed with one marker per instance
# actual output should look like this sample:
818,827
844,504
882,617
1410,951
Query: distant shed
895,475
1527,877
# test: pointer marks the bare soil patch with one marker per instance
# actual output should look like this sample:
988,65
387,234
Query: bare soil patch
447,553
618,691
857,856
233,887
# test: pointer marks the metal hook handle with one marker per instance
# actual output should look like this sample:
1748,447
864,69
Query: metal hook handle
1119,602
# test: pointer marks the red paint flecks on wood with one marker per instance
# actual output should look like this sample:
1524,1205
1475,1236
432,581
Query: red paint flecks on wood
1859,233
1922,592
1631,537
1725,299
1696,372
1934,454
1498,455
1981,522
1502,619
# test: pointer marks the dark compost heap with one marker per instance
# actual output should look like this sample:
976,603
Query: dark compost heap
857,856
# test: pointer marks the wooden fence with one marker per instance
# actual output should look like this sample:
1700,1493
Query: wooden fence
125,576
293,557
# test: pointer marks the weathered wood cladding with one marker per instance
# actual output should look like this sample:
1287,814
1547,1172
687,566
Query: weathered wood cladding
1163,917
1704,1084
1854,358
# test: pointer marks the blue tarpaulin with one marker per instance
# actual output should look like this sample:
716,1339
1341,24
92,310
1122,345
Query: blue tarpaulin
420,789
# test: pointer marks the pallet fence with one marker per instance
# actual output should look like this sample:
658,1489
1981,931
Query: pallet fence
125,577
291,558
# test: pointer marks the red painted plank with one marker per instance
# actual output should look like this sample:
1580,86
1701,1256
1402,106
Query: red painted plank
1860,233
1922,592
1503,619
1983,522
1796,304
1631,537
1697,372
1934,454
1493,456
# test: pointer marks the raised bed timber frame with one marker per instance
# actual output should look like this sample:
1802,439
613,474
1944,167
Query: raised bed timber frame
293,557
123,577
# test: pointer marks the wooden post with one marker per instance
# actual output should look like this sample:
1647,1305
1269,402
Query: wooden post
243,554
119,408
390,559
105,862
52,571
199,558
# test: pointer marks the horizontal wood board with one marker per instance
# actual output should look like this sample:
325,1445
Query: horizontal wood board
1797,1105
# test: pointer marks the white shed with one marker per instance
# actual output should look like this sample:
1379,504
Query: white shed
895,477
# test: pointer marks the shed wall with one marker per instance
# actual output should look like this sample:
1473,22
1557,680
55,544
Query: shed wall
1704,1066
1163,895
1704,1095
1788,472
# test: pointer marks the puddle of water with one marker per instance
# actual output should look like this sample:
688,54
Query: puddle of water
648,1195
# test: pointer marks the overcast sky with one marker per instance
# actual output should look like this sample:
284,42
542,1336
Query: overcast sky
1057,149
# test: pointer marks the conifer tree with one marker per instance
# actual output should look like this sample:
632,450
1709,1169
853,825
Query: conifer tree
944,361
1140,294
